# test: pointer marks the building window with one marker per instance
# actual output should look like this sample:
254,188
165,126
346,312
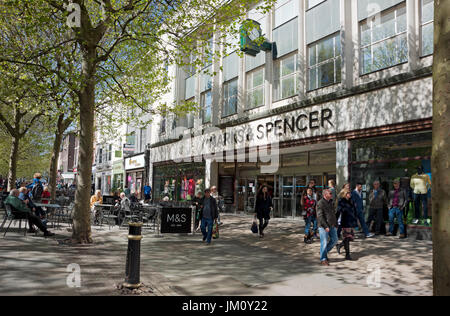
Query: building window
313,3
110,152
286,38
384,40
230,97
285,10
286,77
255,88
206,103
324,62
100,153
162,125
426,27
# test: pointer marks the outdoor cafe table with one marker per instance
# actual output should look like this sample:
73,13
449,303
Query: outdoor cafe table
56,209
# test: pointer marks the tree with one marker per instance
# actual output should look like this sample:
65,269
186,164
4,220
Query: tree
115,50
19,112
440,159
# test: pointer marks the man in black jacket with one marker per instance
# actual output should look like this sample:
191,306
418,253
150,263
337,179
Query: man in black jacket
208,214
326,220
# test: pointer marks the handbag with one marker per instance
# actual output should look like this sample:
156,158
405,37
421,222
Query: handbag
254,227
215,233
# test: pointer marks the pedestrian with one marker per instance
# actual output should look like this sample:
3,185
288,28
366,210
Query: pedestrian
377,201
397,202
46,195
326,220
358,201
219,201
147,193
332,188
209,214
196,203
346,214
263,208
310,216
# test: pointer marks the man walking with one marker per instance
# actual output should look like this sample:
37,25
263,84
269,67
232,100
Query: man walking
326,219
358,200
209,214
397,202
377,200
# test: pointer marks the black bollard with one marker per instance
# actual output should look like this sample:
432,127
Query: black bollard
132,269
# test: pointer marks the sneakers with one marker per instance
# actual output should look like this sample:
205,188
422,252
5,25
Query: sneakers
370,235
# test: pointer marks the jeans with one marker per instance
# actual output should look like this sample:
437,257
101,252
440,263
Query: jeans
308,221
417,199
396,212
263,222
325,245
376,214
362,221
207,222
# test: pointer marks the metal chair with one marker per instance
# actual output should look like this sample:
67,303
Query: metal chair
108,215
130,215
10,216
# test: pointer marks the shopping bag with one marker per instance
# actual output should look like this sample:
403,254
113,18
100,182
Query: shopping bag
254,228
215,233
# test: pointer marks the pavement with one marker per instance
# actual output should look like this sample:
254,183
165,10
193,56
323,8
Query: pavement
238,263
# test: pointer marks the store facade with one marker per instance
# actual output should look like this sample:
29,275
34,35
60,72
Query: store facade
348,140
118,175
135,174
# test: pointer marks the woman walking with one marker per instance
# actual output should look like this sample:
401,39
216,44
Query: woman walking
262,209
309,207
346,215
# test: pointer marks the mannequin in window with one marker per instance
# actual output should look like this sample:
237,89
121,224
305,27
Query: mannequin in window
420,184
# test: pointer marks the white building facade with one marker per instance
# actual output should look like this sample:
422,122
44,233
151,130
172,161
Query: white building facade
345,94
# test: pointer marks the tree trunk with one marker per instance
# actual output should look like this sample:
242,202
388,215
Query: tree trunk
82,214
55,156
13,162
440,161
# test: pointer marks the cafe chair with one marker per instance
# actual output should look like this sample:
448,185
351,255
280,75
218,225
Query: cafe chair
10,216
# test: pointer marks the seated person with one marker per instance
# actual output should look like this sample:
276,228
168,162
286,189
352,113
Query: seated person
46,195
20,210
96,199
26,197
125,205
134,197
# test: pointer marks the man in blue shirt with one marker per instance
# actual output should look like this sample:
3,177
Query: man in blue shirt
147,192
358,200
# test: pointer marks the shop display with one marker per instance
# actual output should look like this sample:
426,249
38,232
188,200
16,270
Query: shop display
420,184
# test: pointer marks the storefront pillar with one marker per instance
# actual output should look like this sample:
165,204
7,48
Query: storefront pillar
211,173
342,163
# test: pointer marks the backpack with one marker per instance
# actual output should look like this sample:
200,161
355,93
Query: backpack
37,190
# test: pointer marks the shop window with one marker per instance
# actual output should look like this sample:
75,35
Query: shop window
206,104
426,27
324,62
384,40
143,138
286,77
322,20
255,88
179,182
230,97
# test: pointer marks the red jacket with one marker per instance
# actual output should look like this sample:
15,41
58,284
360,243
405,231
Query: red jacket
309,206
46,195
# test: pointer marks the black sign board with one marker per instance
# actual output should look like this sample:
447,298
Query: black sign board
175,220
108,200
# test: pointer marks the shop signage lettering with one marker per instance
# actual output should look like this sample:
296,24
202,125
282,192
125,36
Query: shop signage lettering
281,127
135,162
301,123
176,220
